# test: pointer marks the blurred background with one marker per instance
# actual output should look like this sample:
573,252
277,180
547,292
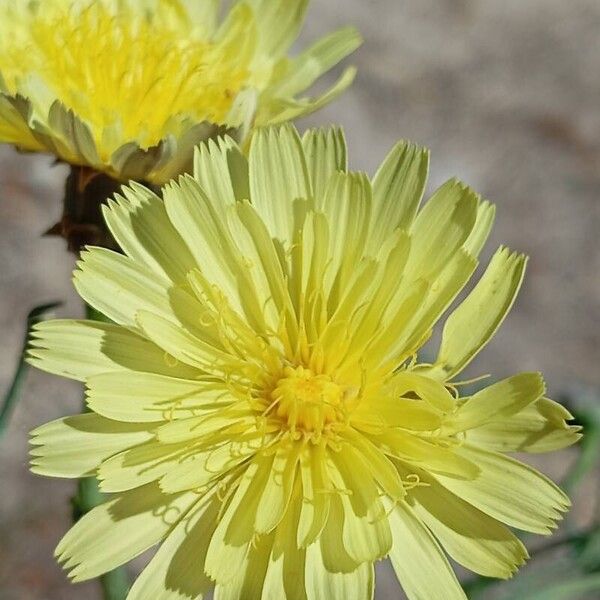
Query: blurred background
507,96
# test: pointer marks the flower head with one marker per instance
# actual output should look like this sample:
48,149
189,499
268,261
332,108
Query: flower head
258,405
129,87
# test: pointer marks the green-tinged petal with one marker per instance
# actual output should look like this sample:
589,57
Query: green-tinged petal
540,427
204,14
278,170
139,223
509,491
397,191
203,467
200,222
419,561
316,60
432,392
75,446
14,128
176,572
321,583
497,401
326,153
80,349
279,22
146,398
486,212
472,538
119,530
471,326
280,110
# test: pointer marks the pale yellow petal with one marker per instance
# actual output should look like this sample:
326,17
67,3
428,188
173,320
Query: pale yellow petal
471,326
278,170
139,223
473,539
326,153
146,397
509,491
397,191
138,466
119,530
419,562
358,584
75,446
81,349
176,571
497,401
222,171
540,427
118,287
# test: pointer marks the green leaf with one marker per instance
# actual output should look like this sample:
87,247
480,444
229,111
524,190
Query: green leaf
13,394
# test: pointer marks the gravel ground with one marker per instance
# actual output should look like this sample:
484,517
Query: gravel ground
507,96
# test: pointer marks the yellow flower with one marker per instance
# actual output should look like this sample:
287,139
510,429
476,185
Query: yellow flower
129,87
257,403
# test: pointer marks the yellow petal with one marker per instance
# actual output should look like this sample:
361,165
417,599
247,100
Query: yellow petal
540,427
145,397
419,562
176,571
326,153
397,190
500,400
278,489
119,530
441,228
118,287
139,223
316,499
138,466
278,170
280,22
81,349
470,327
75,446
222,171
322,583
473,539
510,491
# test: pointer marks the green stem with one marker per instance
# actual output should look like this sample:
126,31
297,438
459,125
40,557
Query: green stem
14,392
115,584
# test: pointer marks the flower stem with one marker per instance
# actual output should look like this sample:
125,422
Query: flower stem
115,584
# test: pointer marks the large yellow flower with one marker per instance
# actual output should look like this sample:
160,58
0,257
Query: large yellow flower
129,87
257,403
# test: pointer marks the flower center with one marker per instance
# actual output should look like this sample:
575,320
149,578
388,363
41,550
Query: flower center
306,401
